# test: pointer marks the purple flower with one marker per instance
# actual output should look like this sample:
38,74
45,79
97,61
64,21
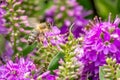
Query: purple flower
54,37
17,71
50,12
7,54
65,13
47,76
3,29
100,41
17,24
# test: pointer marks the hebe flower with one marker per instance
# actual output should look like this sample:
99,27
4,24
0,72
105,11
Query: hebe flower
70,68
54,37
101,41
48,48
7,53
21,70
66,12
47,76
3,29
16,23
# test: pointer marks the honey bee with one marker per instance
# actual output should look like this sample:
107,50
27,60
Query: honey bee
39,31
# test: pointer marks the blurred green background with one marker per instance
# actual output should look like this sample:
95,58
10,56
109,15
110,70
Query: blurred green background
100,8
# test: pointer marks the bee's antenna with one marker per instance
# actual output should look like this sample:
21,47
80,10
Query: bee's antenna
70,30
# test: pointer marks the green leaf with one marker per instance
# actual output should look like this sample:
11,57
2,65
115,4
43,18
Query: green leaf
28,49
86,3
54,62
101,73
104,7
118,6
2,44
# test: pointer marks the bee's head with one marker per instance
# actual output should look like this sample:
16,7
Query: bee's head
48,24
43,27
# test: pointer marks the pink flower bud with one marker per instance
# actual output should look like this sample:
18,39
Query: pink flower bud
62,8
19,49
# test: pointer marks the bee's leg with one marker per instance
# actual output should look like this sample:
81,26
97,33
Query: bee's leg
41,37
31,40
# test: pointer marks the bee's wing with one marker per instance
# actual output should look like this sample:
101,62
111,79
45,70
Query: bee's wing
33,22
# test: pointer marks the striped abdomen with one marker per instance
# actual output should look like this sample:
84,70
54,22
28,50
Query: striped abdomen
32,37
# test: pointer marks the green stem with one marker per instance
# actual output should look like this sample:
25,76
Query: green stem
14,28
15,39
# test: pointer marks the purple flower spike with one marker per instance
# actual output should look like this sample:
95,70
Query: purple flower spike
21,70
3,29
54,37
101,41
48,76
67,12
7,54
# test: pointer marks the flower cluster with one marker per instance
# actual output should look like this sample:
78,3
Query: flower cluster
15,23
54,37
79,50
72,13
7,51
21,70
3,29
101,41
47,76
49,48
